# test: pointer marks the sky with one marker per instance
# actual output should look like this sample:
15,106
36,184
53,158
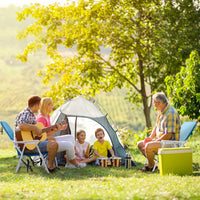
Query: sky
5,3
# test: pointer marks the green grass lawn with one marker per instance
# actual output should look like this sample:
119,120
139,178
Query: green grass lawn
94,182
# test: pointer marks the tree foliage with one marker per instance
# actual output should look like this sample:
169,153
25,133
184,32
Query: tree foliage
145,41
184,89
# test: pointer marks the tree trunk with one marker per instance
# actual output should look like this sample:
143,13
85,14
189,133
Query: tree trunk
146,108
146,111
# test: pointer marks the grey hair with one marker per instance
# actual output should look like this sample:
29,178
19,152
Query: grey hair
160,97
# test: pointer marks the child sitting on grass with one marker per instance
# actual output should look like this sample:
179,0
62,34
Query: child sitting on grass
82,148
102,146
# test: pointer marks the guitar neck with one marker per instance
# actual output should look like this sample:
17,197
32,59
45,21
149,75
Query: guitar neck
48,128
52,127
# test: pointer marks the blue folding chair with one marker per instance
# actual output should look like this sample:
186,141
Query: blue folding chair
23,157
185,132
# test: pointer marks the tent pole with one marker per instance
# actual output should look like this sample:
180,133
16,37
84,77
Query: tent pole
75,127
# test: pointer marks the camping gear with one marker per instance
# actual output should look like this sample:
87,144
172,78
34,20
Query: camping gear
84,114
128,161
175,161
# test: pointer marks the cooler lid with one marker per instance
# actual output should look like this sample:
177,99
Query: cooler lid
174,150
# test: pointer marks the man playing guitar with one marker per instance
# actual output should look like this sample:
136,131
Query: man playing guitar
26,121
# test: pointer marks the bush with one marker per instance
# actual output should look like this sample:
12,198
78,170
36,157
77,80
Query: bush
125,136
128,138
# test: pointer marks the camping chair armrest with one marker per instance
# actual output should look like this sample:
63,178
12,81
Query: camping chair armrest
16,144
27,142
171,143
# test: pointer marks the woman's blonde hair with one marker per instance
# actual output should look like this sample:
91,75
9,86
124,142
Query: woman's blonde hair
45,102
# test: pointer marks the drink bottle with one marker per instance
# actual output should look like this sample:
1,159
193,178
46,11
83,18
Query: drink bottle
128,161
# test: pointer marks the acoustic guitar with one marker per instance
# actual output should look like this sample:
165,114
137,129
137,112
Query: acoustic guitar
31,135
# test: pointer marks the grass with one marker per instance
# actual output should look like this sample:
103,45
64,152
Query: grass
97,183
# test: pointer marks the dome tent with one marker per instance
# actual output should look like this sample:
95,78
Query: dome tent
84,114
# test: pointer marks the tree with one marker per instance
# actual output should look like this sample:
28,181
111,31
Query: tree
143,40
184,89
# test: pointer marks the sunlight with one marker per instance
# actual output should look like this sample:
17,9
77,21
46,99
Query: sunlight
21,3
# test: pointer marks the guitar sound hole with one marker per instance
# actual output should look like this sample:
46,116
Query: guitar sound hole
37,138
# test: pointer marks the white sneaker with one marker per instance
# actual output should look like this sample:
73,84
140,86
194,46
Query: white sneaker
70,166
81,165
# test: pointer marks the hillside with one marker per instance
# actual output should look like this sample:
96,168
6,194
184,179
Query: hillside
20,80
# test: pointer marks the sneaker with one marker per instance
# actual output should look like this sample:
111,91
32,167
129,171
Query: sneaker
70,166
81,165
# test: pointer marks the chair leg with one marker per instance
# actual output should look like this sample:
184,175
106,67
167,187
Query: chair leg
156,163
20,159
43,160
56,162
145,161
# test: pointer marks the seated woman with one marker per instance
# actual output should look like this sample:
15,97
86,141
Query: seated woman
65,143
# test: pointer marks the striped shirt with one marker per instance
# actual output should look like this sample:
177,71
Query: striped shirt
168,121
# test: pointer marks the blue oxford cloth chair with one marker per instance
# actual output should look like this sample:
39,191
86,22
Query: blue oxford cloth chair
23,157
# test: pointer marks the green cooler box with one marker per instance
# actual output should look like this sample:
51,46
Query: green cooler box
175,161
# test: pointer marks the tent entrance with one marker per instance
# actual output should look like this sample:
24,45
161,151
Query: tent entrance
89,126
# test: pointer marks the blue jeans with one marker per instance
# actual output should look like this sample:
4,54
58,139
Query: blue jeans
42,146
